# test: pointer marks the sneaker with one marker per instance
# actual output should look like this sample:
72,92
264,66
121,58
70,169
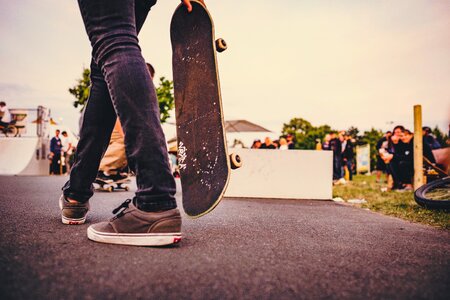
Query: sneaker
73,213
132,226
118,177
106,178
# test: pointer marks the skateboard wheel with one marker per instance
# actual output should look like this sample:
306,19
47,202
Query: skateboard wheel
110,189
126,188
235,161
221,45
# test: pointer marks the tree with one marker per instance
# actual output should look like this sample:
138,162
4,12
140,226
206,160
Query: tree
166,101
305,133
353,132
81,90
164,92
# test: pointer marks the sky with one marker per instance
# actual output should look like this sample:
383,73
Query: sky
343,63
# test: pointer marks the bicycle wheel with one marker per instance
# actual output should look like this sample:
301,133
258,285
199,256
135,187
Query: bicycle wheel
435,194
12,131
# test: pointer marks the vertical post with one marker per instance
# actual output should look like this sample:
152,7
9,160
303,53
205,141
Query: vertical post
418,147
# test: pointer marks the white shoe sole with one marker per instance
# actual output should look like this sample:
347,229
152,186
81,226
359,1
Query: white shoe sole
134,239
70,221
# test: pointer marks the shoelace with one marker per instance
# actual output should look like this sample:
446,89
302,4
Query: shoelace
120,210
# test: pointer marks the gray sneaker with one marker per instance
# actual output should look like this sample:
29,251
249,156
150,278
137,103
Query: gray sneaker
132,226
73,213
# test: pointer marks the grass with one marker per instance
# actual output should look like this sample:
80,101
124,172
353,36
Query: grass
397,204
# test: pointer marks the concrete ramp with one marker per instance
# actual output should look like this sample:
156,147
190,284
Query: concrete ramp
22,156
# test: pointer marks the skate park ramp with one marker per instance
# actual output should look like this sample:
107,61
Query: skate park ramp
23,156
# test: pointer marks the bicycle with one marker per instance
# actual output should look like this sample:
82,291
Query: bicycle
436,193
11,129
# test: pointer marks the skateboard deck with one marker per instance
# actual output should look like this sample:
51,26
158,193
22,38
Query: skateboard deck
202,147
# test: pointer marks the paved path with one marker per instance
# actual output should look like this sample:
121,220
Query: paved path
245,249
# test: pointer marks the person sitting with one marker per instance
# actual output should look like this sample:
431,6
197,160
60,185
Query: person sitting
5,115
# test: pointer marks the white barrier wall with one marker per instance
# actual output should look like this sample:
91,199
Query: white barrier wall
288,174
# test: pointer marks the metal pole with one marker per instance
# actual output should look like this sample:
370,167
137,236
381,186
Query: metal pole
418,147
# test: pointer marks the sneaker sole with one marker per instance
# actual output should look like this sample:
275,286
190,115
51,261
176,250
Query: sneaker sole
70,221
134,239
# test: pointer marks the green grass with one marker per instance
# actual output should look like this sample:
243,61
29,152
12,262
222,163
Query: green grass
398,204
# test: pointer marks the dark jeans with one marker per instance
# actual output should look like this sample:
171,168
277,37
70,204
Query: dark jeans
55,167
121,87
337,167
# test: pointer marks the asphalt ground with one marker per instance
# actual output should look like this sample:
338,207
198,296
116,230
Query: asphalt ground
244,249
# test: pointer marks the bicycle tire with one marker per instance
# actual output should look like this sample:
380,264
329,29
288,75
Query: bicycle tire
13,130
439,188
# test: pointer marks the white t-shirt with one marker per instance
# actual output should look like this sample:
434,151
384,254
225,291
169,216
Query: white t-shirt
6,114
65,141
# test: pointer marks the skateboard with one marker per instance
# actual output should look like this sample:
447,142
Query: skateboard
203,158
110,186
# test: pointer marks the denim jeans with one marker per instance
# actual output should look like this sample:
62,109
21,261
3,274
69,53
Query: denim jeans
121,87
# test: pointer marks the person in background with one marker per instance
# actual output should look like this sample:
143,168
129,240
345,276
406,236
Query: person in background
347,155
381,147
5,115
290,141
55,153
396,147
256,144
406,161
318,144
276,143
267,144
326,142
429,139
283,144
335,146
67,149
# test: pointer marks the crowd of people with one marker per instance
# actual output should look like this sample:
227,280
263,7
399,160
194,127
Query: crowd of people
284,143
343,154
396,155
341,145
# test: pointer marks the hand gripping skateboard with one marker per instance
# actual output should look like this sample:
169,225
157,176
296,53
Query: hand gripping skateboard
203,158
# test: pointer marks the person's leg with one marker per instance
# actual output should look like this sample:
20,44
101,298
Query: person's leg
116,51
395,172
115,157
151,218
350,169
98,121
